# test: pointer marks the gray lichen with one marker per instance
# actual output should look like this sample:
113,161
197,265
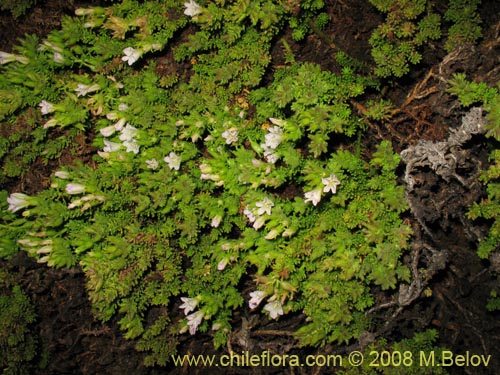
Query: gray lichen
441,157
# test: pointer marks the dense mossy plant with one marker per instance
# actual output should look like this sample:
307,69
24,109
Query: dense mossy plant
16,7
465,22
408,26
208,192
18,343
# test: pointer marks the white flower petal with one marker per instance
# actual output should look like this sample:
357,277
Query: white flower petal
274,308
192,9
256,298
173,161
313,196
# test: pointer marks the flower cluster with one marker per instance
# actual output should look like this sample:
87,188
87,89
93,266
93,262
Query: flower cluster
6,57
256,215
37,246
273,307
194,319
330,183
58,52
273,140
207,174
231,136
127,136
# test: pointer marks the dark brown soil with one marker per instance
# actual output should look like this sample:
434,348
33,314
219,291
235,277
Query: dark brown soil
78,344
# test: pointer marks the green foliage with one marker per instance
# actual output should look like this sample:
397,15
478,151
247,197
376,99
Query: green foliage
18,344
16,7
493,302
400,358
356,242
408,26
471,92
466,22
489,208
322,20
306,17
379,109
206,182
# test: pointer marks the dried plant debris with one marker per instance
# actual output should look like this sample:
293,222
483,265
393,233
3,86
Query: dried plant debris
442,157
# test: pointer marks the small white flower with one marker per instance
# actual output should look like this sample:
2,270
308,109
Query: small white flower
256,298
152,163
277,121
75,203
189,304
44,259
131,55
92,197
313,196
44,249
205,168
250,215
85,11
6,57
112,115
274,137
330,183
58,57
28,242
122,107
73,188
128,133
62,174
119,124
216,221
231,135
288,232
132,146
111,146
261,220
108,131
18,201
272,234
264,206
52,122
222,264
46,107
274,308
192,9
87,198
173,161
194,321
83,89
270,155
